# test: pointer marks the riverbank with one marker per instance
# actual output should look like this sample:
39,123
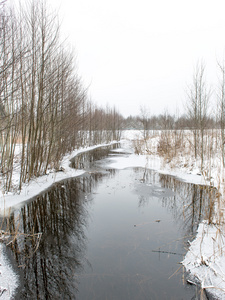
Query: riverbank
11,200
205,258
40,184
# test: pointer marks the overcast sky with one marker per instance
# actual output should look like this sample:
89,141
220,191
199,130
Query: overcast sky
142,53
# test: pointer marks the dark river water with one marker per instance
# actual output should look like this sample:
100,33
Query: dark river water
108,234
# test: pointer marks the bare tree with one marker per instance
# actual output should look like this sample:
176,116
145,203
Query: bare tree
9,102
43,103
221,107
144,119
197,109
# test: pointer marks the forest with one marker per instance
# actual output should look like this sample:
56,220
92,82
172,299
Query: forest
43,104
46,109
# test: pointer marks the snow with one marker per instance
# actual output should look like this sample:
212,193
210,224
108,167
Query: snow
8,279
154,163
37,185
205,259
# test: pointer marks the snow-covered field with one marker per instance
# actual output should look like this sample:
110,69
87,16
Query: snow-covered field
205,259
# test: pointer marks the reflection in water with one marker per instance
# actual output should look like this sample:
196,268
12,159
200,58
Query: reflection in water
192,203
126,252
185,201
84,160
61,216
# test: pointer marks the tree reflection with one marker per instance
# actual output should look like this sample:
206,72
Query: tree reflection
188,203
53,270
86,159
192,202
61,216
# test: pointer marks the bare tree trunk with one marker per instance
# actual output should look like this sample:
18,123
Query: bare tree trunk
221,107
197,109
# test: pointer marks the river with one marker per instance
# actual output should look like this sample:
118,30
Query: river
108,234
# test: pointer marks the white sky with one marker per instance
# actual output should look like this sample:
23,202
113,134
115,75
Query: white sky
142,52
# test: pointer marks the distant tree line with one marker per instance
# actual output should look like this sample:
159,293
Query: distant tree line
204,118
45,108
165,121
43,104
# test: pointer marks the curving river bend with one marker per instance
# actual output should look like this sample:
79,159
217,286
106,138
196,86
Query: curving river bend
108,234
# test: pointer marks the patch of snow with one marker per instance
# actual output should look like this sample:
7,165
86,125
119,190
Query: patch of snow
8,279
155,163
205,259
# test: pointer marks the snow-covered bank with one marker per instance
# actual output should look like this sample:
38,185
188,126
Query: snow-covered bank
8,279
205,258
37,185
154,162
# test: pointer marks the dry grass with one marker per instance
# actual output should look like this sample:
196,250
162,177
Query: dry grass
177,150
12,235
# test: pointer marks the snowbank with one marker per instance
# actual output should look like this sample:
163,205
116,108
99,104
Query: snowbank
205,259
37,185
8,279
153,161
